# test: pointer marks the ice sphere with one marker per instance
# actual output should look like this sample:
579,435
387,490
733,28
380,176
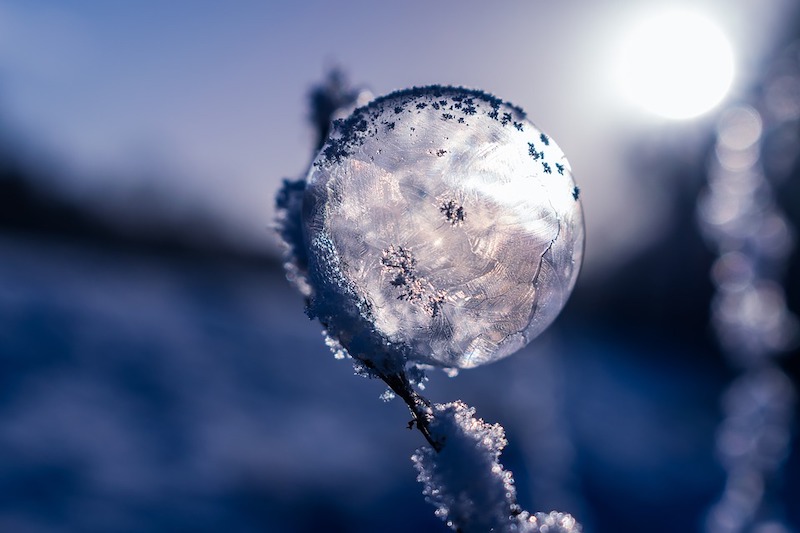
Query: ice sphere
441,227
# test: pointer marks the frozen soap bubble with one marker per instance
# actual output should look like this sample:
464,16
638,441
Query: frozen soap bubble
440,227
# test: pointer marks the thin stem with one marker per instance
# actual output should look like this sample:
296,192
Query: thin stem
419,406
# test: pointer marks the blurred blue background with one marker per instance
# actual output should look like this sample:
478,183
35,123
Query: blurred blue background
157,372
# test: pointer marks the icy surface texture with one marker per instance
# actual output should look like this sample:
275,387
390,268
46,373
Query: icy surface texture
464,480
289,206
553,522
466,483
442,227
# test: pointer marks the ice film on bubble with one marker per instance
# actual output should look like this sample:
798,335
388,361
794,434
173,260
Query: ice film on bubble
436,225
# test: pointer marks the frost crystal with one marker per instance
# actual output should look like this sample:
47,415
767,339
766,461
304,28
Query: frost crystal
464,480
553,522
289,206
466,483
437,230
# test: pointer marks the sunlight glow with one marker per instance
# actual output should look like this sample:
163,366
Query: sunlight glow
676,64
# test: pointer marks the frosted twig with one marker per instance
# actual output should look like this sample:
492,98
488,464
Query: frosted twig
383,294
419,406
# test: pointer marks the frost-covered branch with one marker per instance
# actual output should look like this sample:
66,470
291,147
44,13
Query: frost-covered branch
465,481
461,473
411,241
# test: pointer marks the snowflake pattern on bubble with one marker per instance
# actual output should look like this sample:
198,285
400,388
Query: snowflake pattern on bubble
442,227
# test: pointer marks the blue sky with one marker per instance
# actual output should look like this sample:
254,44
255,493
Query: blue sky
204,101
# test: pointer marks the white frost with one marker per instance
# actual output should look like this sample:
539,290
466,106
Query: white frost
465,481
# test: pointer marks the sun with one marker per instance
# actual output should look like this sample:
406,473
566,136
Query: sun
676,64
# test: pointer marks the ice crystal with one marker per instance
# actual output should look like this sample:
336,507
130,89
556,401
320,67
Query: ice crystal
338,351
388,395
434,240
289,206
553,522
465,481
